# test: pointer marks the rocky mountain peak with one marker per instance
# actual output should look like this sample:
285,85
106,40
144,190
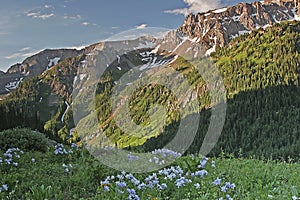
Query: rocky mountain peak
32,66
215,28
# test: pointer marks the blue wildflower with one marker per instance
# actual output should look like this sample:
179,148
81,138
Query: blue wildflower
120,177
201,173
224,188
5,187
228,197
217,181
132,194
162,186
74,146
197,185
106,188
120,191
121,184
129,176
141,186
203,162
182,181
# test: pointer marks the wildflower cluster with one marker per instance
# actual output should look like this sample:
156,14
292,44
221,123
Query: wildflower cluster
61,150
171,177
161,154
166,152
10,157
132,157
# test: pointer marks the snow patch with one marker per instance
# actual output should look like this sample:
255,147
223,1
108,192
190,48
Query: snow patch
266,26
220,10
53,62
213,49
297,17
13,85
145,54
156,49
236,18
153,64
243,32
174,59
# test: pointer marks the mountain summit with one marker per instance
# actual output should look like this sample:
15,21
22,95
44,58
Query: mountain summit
215,28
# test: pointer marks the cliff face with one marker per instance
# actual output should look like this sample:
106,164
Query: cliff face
216,28
33,66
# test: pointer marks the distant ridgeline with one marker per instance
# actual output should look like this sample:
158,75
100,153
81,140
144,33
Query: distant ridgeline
260,72
281,2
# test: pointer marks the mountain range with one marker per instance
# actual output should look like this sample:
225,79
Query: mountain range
212,29
254,45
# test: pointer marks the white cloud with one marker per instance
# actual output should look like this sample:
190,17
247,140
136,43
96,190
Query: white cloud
22,53
45,16
13,56
25,49
85,23
45,12
142,26
195,6
73,17
31,53
48,6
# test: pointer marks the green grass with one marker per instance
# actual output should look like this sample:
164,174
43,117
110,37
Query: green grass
46,178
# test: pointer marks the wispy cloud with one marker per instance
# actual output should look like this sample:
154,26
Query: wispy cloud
142,26
195,6
44,12
31,53
48,6
25,49
22,53
73,17
85,23
13,56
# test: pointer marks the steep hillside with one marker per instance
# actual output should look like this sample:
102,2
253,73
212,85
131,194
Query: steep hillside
261,75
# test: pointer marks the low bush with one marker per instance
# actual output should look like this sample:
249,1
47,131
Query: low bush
24,139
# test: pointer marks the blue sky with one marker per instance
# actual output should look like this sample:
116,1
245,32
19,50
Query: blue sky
29,26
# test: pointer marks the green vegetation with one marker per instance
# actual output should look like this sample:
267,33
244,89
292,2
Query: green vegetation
39,102
261,75
23,139
260,72
72,173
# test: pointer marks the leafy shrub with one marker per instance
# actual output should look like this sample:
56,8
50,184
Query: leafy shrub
24,139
